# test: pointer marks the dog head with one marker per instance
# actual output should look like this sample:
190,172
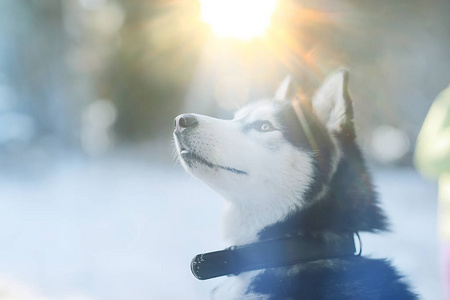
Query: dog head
276,156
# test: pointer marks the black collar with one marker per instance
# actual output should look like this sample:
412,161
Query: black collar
271,253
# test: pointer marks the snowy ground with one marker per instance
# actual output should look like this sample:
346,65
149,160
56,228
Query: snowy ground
121,229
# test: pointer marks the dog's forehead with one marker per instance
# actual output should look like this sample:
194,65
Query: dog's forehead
261,110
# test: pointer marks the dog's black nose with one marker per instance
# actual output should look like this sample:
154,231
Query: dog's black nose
185,121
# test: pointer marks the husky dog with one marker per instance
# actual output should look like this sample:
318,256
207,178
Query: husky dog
292,168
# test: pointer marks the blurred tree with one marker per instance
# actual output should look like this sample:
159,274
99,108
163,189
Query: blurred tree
58,56
384,43
151,68
32,60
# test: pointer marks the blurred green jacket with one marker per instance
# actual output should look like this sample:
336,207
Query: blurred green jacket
432,155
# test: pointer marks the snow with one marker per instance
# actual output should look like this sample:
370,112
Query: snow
127,228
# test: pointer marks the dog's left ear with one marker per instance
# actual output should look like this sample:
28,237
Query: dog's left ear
332,103
286,90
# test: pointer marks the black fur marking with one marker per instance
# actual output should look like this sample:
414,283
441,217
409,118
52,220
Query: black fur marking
314,138
354,278
349,205
322,148
192,156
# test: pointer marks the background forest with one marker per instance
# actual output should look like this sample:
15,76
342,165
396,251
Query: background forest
72,70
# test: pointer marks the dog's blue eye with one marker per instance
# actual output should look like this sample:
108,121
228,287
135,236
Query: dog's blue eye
264,126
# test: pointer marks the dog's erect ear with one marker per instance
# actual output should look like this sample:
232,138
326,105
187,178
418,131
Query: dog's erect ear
332,103
286,90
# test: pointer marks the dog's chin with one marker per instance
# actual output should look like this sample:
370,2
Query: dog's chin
195,163
191,157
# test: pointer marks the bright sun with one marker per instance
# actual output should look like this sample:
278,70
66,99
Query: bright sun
242,19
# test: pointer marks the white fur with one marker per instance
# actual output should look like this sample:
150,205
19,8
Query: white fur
282,92
329,103
276,177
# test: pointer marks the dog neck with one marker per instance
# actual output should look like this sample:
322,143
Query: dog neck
349,204
242,223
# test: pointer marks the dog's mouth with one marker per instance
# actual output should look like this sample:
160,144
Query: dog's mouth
189,157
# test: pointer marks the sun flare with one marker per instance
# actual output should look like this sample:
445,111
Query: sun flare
241,19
